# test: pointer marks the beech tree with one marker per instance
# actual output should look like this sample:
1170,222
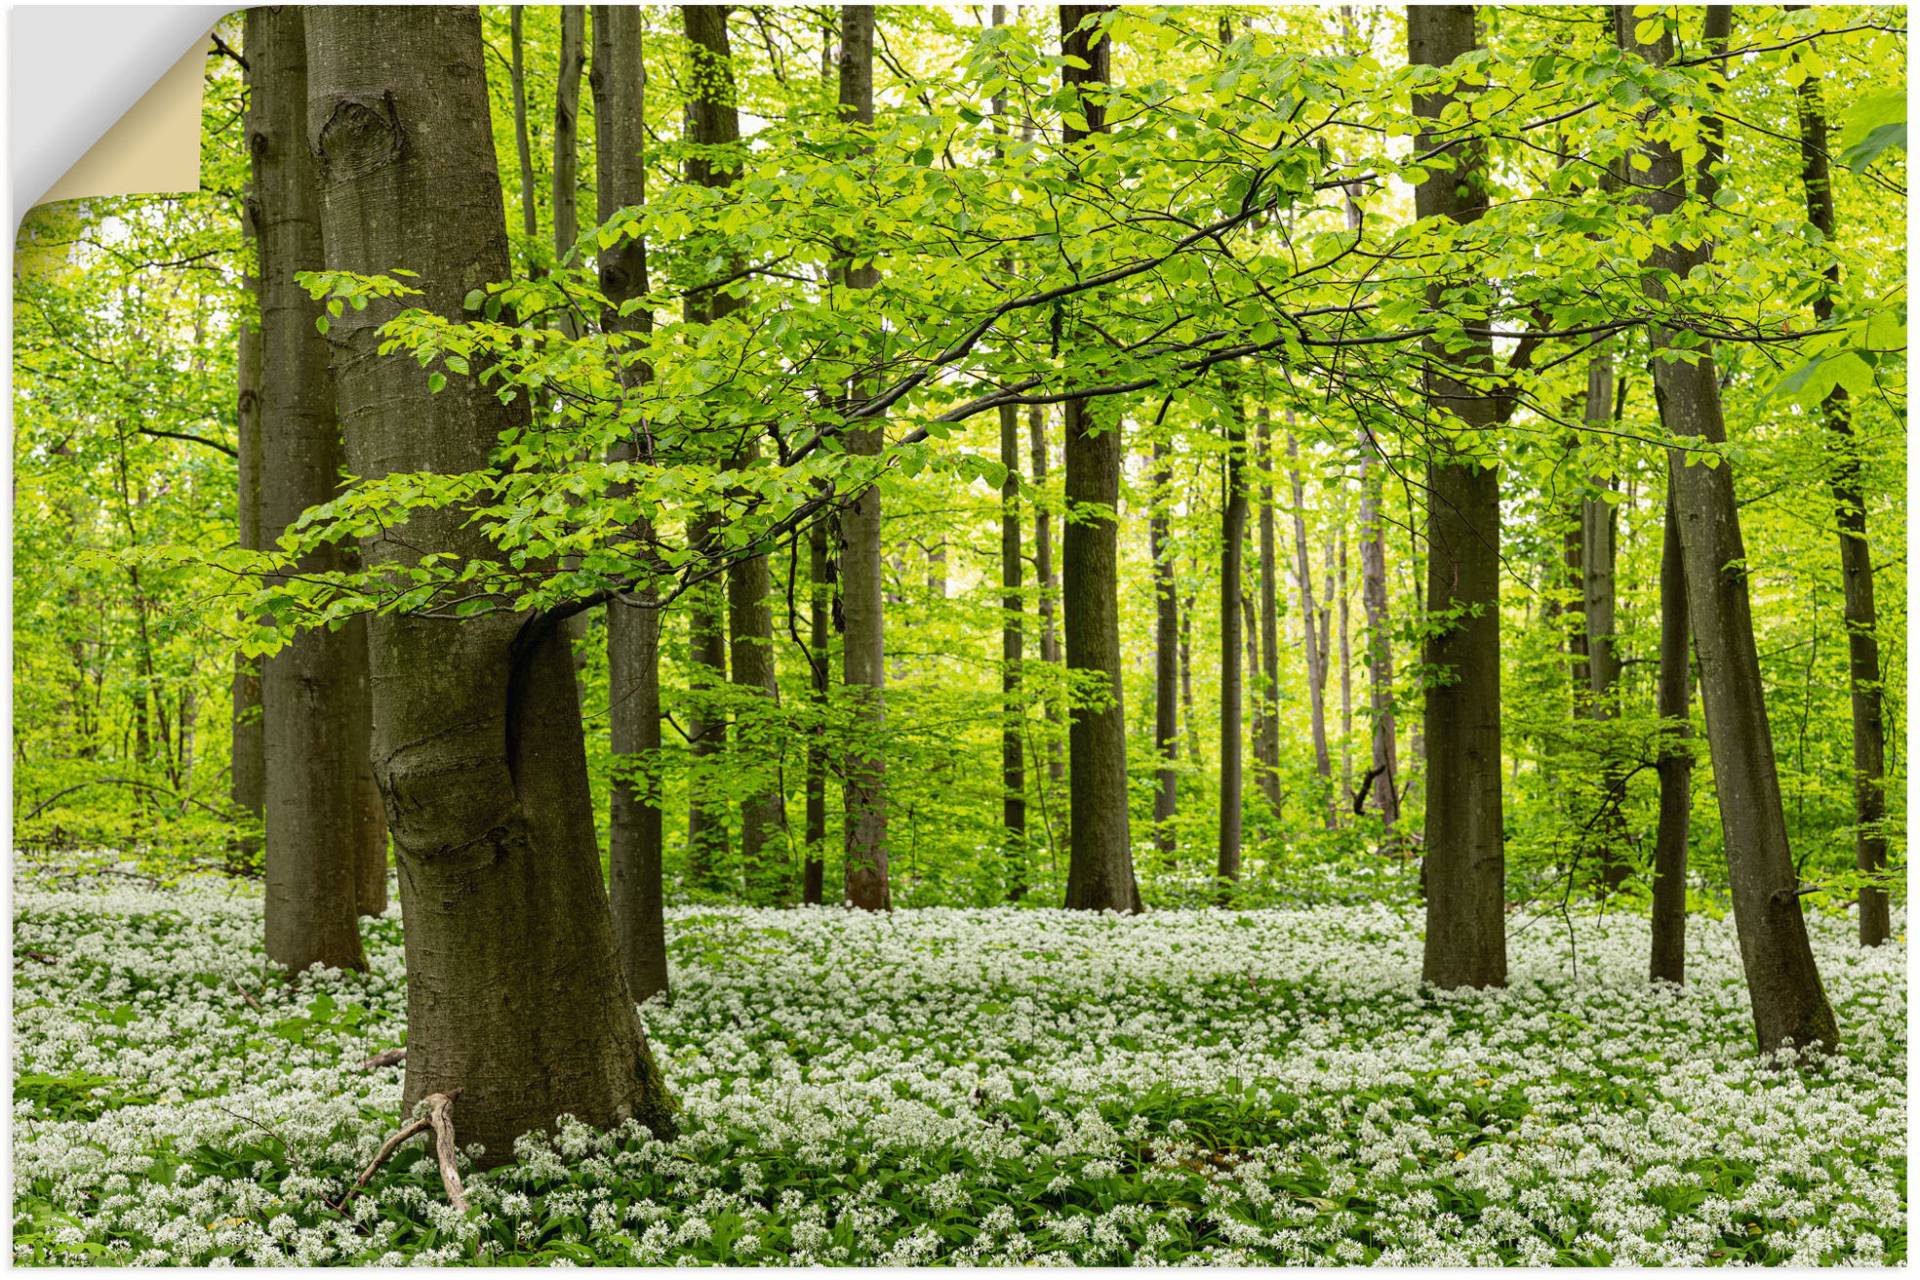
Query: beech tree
477,734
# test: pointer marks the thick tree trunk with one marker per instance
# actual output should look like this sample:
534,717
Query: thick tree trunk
312,895
1013,768
1266,716
635,825
1856,553
1465,867
1668,962
514,987
1783,981
1233,541
1100,860
865,670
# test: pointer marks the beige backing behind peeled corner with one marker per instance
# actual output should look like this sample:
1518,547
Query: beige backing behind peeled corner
153,147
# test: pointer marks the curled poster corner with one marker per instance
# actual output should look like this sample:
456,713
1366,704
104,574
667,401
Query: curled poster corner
104,100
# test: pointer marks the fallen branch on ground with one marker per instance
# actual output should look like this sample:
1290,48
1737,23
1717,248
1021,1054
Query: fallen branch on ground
439,1119
384,1058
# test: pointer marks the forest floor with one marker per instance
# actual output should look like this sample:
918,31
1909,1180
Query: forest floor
994,1086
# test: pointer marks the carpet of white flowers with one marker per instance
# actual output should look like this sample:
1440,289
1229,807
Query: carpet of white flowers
997,1087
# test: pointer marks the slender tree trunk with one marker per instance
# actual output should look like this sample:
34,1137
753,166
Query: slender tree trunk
1465,866
523,144
635,821
1669,957
1599,524
865,792
1013,772
1373,598
1186,681
709,843
712,121
1266,720
312,894
1856,554
566,130
1100,861
1574,560
763,813
1048,591
1233,541
1166,656
248,781
1346,680
514,987
369,829
1316,655
820,639
1783,981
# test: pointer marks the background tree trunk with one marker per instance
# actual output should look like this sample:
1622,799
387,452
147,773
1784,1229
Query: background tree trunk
820,640
1013,772
1783,981
1672,838
1100,859
477,735
1266,718
1166,657
1599,524
1315,647
1048,586
248,777
1465,867
635,822
1856,553
865,671
1233,541
523,144
312,895
709,841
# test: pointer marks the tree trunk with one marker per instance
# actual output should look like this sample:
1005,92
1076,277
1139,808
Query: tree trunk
1013,772
1373,598
523,145
1316,655
1266,716
369,830
1233,540
1166,657
820,640
1100,858
864,661
1465,866
566,130
1048,587
248,777
1669,952
763,813
1783,981
1856,556
514,987
1346,680
1599,524
708,841
635,821
1186,682
307,689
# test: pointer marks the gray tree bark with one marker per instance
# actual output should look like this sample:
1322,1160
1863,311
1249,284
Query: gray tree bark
636,824
1599,524
1233,541
1668,961
820,639
477,737
1013,769
1465,868
1783,982
307,689
248,777
864,669
1266,719
1856,552
1047,587
1166,657
1100,853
